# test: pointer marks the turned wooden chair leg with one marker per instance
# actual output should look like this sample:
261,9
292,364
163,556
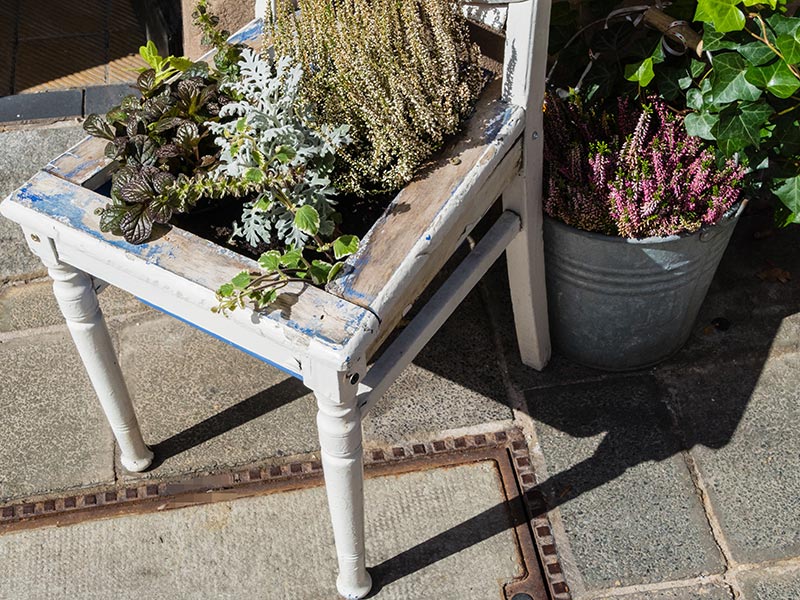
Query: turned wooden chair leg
339,425
78,302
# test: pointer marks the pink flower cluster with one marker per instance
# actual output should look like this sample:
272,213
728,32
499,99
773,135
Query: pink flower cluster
633,172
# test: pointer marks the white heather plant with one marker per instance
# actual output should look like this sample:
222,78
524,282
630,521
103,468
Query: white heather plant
269,140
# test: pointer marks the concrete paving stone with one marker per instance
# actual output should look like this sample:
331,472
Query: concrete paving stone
771,585
54,435
32,305
425,531
25,151
627,500
702,592
454,382
740,420
760,315
204,405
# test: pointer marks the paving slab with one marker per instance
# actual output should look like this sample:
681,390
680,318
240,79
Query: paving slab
740,419
33,305
204,405
780,584
279,546
455,382
54,435
626,497
25,151
702,592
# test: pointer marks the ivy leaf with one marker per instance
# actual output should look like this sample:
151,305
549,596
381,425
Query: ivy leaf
739,127
755,53
728,81
270,261
306,219
782,25
723,14
97,126
136,225
641,72
776,78
789,193
110,218
714,40
345,245
241,281
319,271
789,45
701,124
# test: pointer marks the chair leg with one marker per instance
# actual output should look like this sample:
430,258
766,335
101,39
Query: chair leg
525,257
78,302
339,425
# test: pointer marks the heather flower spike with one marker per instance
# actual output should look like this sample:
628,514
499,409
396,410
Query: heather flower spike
633,172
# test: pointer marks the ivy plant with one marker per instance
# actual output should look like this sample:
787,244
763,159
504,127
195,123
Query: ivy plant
747,97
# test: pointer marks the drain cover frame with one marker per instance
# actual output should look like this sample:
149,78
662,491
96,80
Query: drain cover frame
542,576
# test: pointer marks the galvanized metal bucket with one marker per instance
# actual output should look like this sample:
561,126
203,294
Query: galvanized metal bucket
620,304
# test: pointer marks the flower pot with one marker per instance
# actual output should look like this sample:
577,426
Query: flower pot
620,304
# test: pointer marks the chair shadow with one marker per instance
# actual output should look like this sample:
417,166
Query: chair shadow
645,422
255,406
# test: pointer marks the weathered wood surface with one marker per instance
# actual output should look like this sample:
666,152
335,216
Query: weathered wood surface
176,261
83,164
427,220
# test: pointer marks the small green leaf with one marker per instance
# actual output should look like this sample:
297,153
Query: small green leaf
181,63
701,124
789,193
292,259
150,55
724,14
776,78
728,81
306,219
254,175
789,45
345,245
97,126
241,124
136,225
270,261
225,290
285,154
110,218
337,267
267,297
241,281
641,72
739,127
319,271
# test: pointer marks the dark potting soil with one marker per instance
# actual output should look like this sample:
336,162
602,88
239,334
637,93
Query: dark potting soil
215,221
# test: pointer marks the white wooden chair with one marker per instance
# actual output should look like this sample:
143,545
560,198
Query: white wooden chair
325,338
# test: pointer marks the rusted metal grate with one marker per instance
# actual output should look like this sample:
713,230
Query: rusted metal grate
543,576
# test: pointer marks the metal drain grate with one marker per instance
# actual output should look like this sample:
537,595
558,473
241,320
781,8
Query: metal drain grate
542,576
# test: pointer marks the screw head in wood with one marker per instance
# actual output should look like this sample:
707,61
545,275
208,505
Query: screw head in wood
35,237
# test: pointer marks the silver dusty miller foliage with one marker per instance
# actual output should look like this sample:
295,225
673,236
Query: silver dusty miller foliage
276,148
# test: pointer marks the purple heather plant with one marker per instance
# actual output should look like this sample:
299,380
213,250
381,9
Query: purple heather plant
632,172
